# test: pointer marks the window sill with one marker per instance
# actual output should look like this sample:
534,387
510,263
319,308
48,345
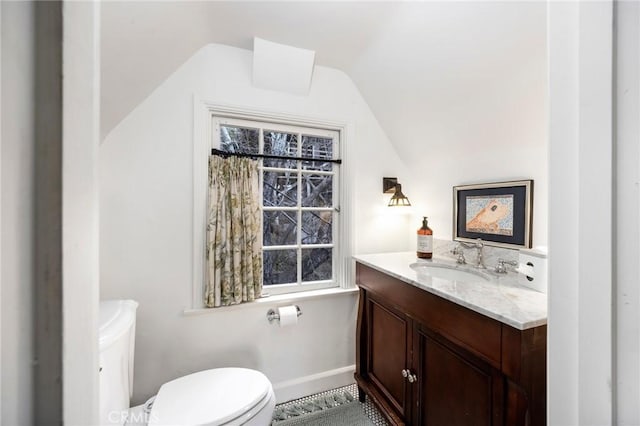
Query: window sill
279,298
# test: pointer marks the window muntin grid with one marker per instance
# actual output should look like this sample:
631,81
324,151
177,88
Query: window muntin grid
299,199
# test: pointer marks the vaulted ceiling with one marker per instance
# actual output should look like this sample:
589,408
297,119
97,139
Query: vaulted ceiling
419,65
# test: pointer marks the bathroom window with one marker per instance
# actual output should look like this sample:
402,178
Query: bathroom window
299,199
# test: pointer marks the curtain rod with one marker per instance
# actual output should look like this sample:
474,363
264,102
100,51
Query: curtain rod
276,157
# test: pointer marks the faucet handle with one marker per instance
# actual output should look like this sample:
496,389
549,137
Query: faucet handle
501,266
457,251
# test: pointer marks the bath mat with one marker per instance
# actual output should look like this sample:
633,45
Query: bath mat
349,413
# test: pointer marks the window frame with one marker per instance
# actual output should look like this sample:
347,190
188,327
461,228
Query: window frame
218,121
343,270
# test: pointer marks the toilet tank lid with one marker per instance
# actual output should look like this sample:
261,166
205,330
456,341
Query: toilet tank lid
210,397
116,318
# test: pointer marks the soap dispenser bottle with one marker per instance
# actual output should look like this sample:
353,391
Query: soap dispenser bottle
425,240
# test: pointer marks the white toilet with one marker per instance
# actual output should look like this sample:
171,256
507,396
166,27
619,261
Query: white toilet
221,396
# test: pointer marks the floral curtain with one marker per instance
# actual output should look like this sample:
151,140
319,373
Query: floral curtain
234,257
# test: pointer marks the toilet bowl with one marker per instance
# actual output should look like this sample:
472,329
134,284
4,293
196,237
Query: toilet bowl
216,397
222,396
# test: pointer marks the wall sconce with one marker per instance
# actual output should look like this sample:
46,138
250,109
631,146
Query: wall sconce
391,185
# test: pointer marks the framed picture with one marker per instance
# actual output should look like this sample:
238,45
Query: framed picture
499,213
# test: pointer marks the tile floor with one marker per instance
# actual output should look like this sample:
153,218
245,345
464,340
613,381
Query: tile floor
369,408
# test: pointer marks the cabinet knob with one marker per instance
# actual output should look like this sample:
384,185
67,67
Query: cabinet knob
411,377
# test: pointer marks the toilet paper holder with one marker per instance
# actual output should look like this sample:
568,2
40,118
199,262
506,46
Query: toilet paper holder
272,315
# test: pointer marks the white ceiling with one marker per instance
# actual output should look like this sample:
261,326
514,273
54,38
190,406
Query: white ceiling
143,42
414,62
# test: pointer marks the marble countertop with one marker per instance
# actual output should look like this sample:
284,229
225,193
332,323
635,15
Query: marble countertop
498,296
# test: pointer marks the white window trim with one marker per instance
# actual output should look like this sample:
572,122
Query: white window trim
264,126
203,113
279,300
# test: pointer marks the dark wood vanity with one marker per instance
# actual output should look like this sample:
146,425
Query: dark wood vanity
426,361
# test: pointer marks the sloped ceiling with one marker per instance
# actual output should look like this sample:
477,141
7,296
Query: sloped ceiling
144,42
419,65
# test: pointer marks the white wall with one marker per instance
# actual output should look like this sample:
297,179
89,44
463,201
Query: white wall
81,124
146,226
461,90
18,141
627,214
581,286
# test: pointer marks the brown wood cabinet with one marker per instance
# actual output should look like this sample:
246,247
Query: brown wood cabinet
424,360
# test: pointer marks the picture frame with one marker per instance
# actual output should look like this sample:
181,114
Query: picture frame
499,213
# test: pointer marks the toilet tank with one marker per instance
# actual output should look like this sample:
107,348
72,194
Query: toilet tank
116,345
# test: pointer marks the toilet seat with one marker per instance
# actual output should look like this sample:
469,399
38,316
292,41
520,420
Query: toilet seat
221,396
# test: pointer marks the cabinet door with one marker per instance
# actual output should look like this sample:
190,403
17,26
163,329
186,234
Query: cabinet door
389,343
454,387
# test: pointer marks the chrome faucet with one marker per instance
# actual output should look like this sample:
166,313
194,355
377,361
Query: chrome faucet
478,245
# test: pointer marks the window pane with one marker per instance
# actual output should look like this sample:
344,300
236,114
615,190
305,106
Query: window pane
280,189
316,264
239,139
317,190
280,144
280,267
316,227
317,147
279,228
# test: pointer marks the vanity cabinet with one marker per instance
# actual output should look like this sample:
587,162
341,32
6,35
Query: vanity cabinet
388,348
424,360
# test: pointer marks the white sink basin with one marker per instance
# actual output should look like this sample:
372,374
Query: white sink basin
447,272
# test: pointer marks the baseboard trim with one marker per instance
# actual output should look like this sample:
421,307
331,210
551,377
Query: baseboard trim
314,383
